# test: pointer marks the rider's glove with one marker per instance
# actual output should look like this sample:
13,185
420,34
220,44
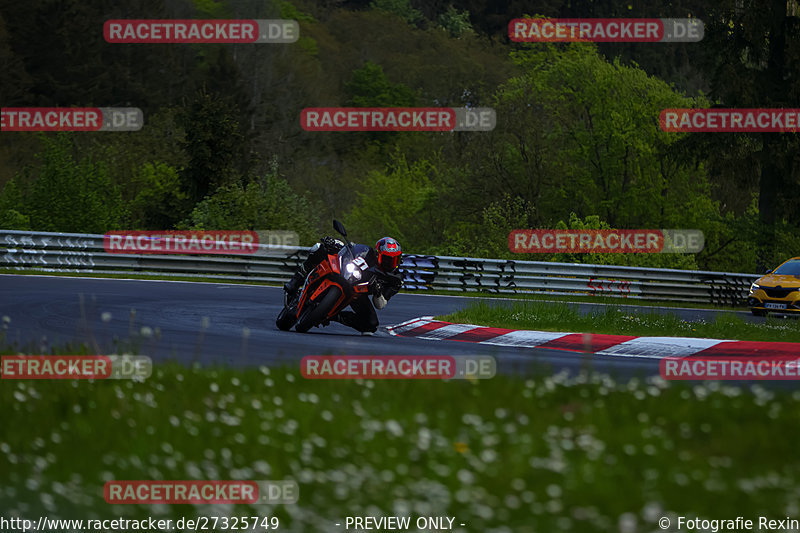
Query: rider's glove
390,285
379,301
331,245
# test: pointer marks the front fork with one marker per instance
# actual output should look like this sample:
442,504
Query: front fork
294,300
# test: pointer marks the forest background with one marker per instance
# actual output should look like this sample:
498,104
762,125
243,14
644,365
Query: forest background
577,142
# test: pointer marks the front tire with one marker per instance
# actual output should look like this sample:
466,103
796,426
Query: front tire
315,315
758,312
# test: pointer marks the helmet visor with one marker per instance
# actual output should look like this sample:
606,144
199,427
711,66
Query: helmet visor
388,262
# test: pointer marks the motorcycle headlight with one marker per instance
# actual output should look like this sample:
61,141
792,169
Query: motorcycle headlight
353,270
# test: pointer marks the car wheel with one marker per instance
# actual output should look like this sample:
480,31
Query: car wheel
758,312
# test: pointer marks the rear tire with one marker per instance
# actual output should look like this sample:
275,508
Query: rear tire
286,319
312,317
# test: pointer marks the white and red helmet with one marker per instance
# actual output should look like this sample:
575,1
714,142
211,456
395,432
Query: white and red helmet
389,253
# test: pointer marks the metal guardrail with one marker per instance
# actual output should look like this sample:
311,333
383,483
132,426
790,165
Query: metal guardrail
72,252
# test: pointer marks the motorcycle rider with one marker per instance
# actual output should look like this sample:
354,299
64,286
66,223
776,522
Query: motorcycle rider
387,282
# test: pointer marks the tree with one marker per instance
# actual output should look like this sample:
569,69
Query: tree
455,22
265,203
10,203
754,57
593,222
213,144
369,87
581,134
401,8
73,196
159,200
399,202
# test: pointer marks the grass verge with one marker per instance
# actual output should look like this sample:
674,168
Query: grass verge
542,316
547,453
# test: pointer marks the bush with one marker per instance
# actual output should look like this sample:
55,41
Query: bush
265,203
72,196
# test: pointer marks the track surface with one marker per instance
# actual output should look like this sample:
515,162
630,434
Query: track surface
48,311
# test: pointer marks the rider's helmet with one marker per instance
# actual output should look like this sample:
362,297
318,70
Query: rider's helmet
389,253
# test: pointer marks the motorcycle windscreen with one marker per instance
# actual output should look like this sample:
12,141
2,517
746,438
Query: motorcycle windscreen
357,266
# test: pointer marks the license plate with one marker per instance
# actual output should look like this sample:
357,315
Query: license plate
775,306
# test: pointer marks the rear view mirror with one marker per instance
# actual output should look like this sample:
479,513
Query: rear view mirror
768,272
339,228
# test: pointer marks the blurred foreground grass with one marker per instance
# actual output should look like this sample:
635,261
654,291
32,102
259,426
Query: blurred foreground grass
546,453
618,321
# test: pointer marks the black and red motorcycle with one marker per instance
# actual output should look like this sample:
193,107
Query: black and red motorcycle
331,286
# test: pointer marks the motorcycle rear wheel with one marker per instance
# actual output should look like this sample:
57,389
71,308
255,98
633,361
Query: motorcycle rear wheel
316,314
286,319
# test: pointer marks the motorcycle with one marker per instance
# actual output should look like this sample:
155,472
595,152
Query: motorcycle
330,287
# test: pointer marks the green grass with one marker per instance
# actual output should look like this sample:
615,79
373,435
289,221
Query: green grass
584,298
616,320
547,453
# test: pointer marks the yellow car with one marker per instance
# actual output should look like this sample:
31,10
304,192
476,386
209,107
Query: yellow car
778,291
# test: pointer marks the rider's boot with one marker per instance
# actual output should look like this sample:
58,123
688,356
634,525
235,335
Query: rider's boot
335,318
293,285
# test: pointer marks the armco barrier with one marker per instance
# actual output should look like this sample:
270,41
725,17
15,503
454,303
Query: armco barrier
72,252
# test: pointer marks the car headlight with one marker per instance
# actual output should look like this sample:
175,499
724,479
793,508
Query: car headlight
754,287
353,270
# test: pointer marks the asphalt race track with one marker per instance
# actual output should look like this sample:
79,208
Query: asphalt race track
165,320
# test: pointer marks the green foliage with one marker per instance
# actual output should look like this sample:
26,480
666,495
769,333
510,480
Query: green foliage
160,198
577,132
787,243
10,202
597,118
265,203
399,202
455,22
369,87
401,8
593,222
13,219
213,9
213,143
488,237
289,11
578,136
73,196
